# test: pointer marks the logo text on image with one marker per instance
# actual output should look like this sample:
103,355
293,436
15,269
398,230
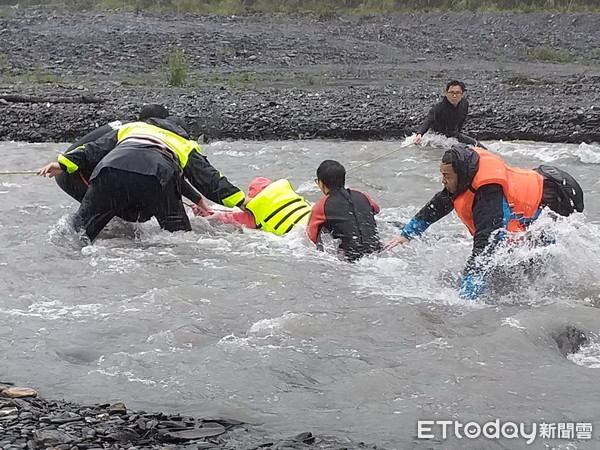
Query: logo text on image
430,429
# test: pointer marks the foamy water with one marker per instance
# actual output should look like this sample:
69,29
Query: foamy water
266,329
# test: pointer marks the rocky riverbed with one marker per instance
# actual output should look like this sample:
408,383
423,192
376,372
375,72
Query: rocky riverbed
35,423
529,76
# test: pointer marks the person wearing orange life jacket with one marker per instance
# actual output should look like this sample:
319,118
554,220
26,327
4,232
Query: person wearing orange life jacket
139,167
491,199
272,206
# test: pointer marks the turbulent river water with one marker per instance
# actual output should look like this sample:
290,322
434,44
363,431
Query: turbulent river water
248,325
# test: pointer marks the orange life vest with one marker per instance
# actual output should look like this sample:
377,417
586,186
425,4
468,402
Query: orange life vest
522,189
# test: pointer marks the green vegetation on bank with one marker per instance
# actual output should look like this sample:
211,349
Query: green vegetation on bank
177,68
546,53
319,7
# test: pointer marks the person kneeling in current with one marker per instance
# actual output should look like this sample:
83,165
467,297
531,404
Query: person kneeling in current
347,214
492,199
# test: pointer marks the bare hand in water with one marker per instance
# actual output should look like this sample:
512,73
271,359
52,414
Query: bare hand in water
400,240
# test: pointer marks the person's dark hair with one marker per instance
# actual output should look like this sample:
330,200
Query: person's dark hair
179,122
465,162
153,111
456,83
448,158
332,174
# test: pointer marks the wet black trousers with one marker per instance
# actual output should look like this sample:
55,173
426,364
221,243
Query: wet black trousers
73,184
115,192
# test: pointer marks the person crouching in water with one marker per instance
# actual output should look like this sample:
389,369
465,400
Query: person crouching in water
492,199
76,184
138,168
347,214
272,206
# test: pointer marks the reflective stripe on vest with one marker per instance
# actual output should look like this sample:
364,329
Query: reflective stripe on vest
521,187
277,208
179,146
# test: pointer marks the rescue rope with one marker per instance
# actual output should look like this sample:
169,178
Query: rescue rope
18,172
406,144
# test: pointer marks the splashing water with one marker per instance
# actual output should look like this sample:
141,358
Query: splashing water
229,321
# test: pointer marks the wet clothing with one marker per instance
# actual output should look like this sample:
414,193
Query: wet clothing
491,210
278,208
274,207
349,216
521,187
76,184
243,218
562,193
158,149
115,192
447,119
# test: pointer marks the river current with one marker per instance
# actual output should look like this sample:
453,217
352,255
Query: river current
266,329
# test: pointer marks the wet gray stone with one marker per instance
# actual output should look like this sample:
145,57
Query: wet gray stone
570,340
208,430
7,412
52,437
62,418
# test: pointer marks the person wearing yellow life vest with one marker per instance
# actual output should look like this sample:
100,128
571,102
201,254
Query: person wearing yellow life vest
492,199
75,184
139,167
272,206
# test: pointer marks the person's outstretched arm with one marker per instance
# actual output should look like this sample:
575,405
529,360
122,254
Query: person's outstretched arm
436,208
426,125
88,155
190,192
211,183
85,156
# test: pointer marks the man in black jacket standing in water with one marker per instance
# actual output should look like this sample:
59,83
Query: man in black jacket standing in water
448,116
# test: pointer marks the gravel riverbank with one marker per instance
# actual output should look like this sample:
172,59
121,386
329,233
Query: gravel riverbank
297,77
38,423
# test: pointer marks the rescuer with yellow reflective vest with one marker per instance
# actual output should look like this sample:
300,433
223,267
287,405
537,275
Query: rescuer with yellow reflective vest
75,184
493,200
139,167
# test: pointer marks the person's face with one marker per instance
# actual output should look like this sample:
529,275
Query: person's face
449,177
454,94
321,185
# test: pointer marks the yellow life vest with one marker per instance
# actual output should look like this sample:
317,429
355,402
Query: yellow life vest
179,146
277,208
